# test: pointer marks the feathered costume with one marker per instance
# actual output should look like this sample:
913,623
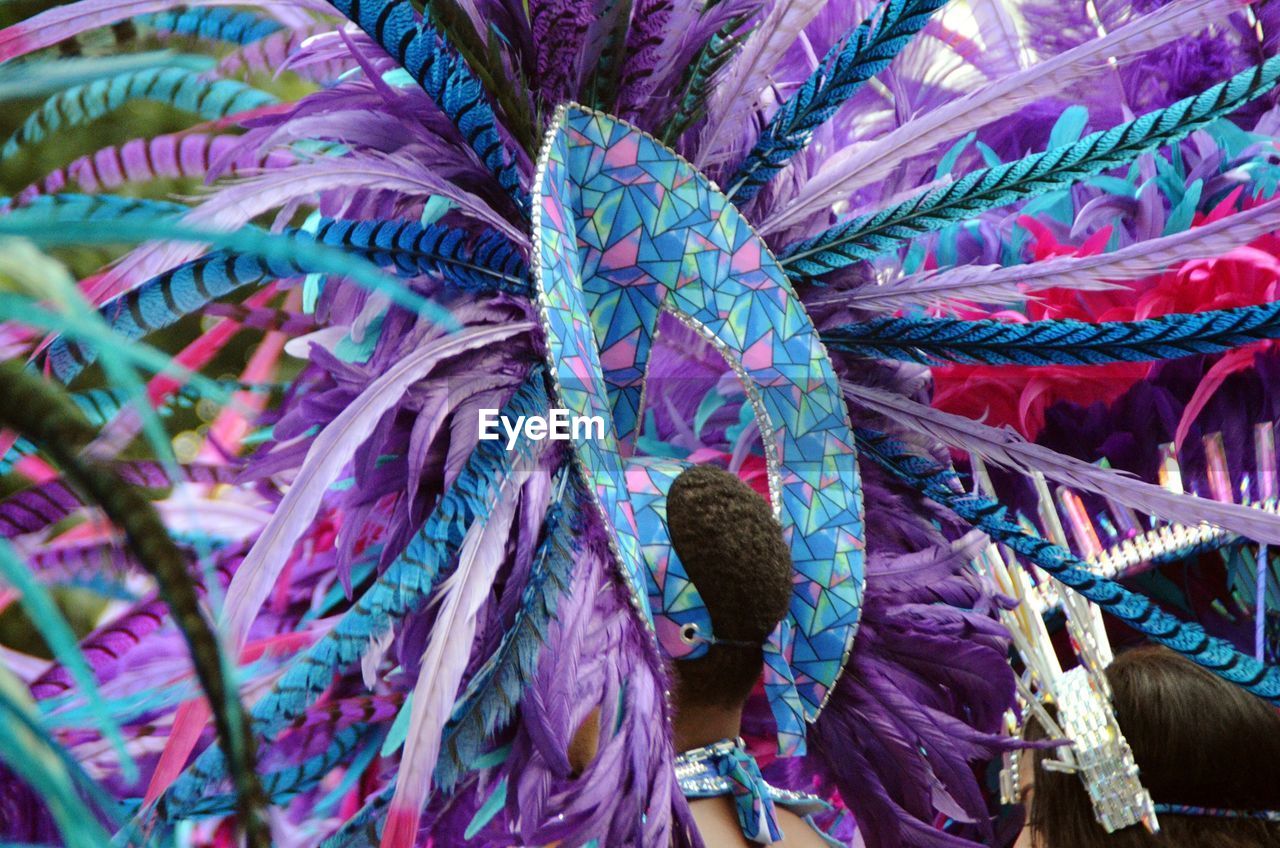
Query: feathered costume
737,231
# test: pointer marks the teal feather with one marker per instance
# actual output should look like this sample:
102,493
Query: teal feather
494,691
60,224
400,590
1057,342
868,236
213,23
44,614
282,785
178,87
488,262
29,751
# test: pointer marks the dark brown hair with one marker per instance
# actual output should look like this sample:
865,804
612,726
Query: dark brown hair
733,551
1198,741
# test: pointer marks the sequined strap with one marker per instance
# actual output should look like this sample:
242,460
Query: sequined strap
726,768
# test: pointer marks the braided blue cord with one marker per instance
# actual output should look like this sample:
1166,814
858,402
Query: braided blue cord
217,23
1066,342
940,484
870,235
178,87
856,58
401,590
443,75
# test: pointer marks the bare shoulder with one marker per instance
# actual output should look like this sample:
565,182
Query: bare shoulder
798,833
718,825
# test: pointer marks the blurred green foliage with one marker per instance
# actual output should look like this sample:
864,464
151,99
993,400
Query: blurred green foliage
83,606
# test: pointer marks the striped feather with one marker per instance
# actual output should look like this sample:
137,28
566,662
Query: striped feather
216,23
856,167
172,156
401,589
324,738
444,76
933,341
871,235
178,87
856,58
941,485
485,263
494,692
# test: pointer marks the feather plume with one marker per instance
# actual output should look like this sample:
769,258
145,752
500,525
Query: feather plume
402,588
994,284
1188,639
859,166
332,449
1005,447
445,660
494,691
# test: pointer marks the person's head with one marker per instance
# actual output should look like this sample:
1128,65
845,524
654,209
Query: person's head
733,550
1198,741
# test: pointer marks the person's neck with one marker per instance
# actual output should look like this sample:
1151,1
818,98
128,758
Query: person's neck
696,726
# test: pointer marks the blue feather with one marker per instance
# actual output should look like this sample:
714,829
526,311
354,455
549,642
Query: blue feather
861,54
1065,342
287,783
443,75
486,263
179,87
401,589
216,23
494,691
939,483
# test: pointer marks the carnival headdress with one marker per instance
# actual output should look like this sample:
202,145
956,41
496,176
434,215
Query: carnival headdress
424,617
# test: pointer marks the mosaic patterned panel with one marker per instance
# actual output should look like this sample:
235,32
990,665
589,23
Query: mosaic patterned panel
575,357
651,234
671,592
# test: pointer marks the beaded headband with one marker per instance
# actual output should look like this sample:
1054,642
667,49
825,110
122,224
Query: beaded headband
624,230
